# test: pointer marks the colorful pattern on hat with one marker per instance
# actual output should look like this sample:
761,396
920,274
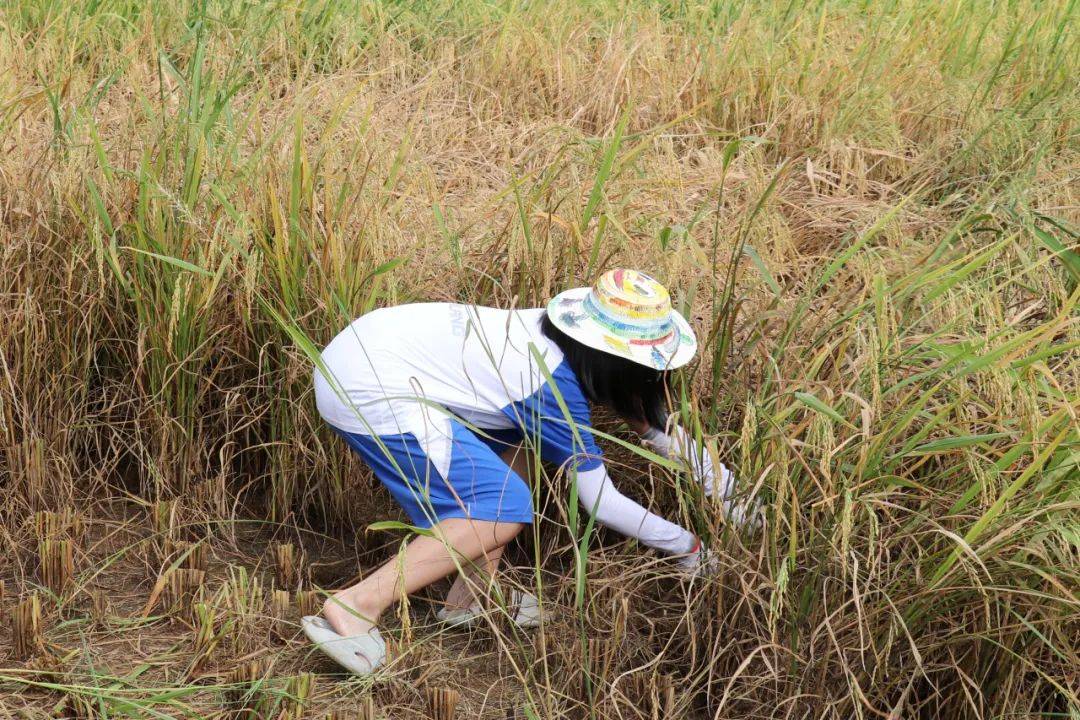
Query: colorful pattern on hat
627,313
633,307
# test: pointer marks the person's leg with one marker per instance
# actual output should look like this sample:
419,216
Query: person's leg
517,457
470,581
356,610
463,593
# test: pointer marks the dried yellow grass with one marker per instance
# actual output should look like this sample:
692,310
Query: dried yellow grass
868,211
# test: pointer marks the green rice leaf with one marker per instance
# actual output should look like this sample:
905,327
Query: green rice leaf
815,404
755,258
177,262
957,442
1069,258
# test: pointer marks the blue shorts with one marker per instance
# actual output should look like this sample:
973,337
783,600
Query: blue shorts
477,484
502,439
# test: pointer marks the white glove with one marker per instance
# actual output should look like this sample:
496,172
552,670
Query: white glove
679,445
699,562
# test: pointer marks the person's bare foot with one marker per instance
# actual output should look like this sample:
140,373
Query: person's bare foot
347,616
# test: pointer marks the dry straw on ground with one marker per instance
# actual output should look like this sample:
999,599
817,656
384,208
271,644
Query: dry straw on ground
868,210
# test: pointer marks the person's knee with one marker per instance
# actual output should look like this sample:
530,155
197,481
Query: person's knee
498,533
467,536
508,531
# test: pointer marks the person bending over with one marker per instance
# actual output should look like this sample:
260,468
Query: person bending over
438,398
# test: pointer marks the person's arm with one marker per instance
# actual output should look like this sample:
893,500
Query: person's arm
599,496
678,444
571,444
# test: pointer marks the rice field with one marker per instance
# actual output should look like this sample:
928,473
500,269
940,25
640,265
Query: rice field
868,210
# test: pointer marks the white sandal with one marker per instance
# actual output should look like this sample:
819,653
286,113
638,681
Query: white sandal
359,654
524,606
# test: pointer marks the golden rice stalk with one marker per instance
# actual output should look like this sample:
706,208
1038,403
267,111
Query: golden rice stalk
298,690
211,496
287,564
164,527
242,598
442,703
244,690
601,662
540,649
26,637
307,602
99,605
207,637
365,710
199,557
638,686
56,564
31,465
74,707
182,589
280,610
620,615
568,660
248,672
664,699
653,694
163,517
65,524
195,554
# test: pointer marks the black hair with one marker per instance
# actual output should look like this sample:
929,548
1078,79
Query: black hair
633,390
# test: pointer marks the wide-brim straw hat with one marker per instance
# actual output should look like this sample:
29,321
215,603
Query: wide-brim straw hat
628,314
